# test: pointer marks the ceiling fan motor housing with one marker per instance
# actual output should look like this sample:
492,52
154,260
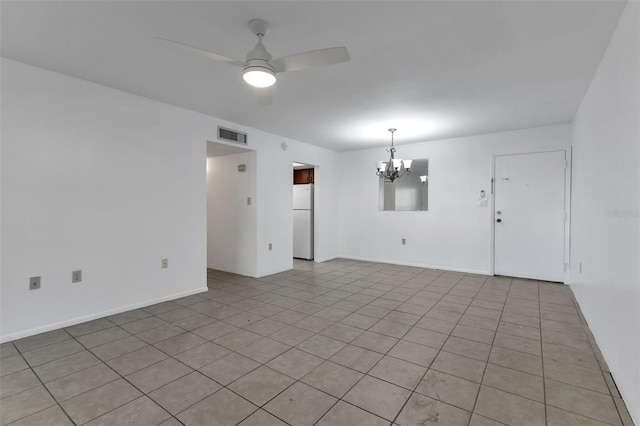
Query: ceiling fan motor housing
259,52
259,65
258,71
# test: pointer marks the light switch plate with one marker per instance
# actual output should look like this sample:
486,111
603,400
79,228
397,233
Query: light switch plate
76,276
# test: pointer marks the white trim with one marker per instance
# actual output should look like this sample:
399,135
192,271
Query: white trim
325,259
567,207
417,265
316,221
109,312
272,272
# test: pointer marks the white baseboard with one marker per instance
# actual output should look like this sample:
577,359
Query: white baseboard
325,259
102,314
418,265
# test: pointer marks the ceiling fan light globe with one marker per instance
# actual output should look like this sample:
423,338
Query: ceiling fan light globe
259,76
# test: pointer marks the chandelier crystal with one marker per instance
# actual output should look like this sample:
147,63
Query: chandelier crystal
394,168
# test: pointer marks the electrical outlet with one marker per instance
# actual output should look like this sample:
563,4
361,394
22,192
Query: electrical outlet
165,263
248,201
270,246
76,276
404,241
580,267
34,283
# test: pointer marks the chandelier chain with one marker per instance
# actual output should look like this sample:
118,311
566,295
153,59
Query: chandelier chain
389,171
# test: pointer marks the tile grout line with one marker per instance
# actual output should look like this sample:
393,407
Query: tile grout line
365,374
544,375
324,360
439,351
120,376
45,388
223,386
299,286
492,346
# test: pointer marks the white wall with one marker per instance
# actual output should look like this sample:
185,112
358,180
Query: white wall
275,202
606,178
108,182
455,233
231,223
98,180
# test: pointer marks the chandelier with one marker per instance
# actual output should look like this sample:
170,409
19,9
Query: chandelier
395,167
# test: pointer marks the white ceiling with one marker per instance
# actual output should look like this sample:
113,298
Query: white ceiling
216,149
431,69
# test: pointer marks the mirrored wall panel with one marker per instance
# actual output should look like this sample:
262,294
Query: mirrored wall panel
409,192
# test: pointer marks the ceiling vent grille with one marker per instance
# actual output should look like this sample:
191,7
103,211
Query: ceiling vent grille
229,135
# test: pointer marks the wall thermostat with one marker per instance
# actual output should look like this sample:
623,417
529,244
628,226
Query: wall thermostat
483,201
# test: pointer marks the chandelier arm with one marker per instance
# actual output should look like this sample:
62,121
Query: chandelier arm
389,171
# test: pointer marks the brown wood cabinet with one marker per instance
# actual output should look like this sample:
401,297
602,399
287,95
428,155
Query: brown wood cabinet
302,176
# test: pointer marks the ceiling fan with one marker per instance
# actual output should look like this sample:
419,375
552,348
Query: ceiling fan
260,69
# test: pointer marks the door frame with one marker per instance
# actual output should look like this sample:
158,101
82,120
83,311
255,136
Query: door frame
567,206
315,168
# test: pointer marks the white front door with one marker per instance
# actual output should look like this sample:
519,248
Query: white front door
530,215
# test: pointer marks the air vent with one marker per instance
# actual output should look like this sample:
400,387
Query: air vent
229,135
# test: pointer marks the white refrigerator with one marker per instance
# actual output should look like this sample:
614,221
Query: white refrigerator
303,221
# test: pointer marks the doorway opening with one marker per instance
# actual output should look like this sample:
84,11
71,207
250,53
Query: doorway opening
303,211
231,209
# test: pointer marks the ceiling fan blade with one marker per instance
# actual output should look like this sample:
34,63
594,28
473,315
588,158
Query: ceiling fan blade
312,59
203,52
264,95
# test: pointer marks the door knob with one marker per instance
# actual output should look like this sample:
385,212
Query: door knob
499,220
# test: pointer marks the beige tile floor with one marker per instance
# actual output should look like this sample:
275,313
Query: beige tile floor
337,343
